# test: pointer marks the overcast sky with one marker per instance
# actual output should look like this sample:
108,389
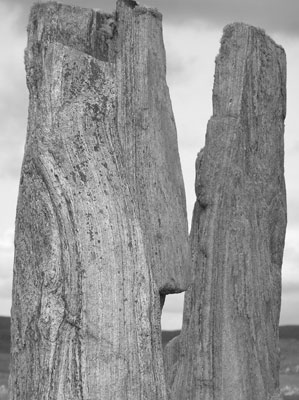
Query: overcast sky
192,31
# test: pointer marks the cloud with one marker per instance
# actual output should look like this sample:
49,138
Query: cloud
171,321
13,100
290,288
6,240
5,306
6,270
272,15
172,313
7,206
5,289
174,303
289,310
290,278
6,265
190,75
6,259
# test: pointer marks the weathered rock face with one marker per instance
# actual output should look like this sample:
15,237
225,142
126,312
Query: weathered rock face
228,348
149,144
101,228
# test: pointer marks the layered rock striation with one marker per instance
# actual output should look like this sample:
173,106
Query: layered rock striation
101,227
228,347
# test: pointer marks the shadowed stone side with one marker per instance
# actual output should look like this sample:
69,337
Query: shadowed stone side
228,347
91,242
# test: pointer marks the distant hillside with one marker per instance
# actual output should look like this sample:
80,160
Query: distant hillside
285,332
4,334
289,332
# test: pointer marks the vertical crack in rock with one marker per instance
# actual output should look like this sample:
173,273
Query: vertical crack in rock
228,347
101,227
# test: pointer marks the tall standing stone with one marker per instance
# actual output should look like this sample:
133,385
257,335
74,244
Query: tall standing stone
228,347
101,227
149,144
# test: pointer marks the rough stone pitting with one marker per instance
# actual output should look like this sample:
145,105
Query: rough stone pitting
143,94
228,347
82,29
101,225
129,3
232,26
148,10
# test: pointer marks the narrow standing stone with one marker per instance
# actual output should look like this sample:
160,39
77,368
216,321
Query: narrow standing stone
93,225
149,144
228,347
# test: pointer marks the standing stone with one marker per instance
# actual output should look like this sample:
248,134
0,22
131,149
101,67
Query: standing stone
228,347
101,227
149,144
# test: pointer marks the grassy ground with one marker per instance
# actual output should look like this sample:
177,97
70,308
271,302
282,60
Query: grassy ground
294,397
289,356
289,368
3,392
4,363
3,379
289,384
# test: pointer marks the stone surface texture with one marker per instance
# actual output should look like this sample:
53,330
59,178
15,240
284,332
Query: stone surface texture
101,227
228,347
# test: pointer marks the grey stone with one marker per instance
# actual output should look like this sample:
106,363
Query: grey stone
228,347
101,227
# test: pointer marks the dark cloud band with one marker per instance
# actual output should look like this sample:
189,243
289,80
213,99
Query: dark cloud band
271,15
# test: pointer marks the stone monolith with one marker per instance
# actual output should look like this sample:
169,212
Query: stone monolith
101,227
228,347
